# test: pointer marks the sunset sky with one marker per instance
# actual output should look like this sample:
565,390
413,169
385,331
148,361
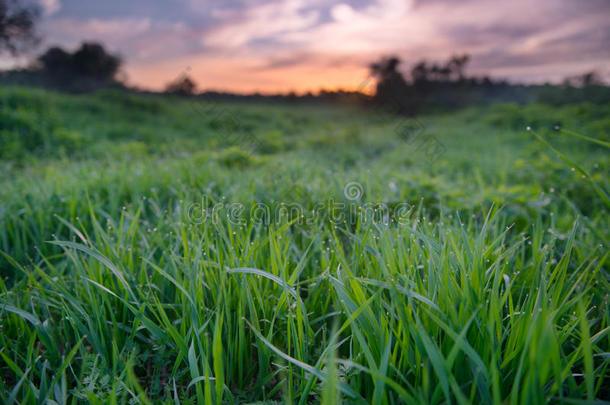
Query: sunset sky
269,45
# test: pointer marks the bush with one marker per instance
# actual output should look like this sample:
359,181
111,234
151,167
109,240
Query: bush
20,133
67,141
270,142
235,157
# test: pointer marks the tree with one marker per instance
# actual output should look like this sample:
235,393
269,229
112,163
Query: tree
387,75
454,69
392,88
457,66
386,67
17,26
88,68
92,61
420,72
55,61
586,79
183,85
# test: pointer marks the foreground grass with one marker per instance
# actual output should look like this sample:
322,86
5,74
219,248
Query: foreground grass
492,288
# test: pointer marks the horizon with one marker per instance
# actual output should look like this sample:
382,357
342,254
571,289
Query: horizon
277,47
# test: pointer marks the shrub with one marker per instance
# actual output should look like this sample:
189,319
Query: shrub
235,157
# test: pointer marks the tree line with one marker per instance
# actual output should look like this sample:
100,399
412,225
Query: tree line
87,68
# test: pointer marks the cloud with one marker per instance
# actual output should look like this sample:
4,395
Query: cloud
265,21
50,7
138,40
114,30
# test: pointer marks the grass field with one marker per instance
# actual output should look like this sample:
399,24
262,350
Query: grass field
163,250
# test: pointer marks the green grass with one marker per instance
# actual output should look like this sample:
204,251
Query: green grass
490,287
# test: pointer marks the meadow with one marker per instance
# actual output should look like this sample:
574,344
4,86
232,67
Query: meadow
455,257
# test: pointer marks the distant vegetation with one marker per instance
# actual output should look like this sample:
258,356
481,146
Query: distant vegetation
426,87
182,86
90,62
432,86
88,68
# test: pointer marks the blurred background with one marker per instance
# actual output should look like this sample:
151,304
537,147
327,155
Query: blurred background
433,50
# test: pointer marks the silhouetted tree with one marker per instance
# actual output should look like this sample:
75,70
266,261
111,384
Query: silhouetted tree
392,89
587,79
420,72
457,66
431,72
17,23
386,67
92,61
183,85
55,61
430,85
88,68
444,73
